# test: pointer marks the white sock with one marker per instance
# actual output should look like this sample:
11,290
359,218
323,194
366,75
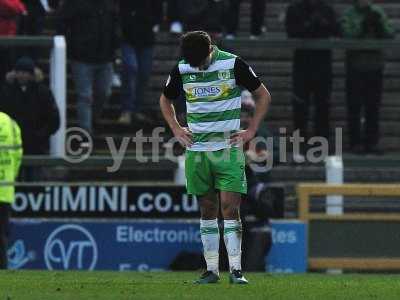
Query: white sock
233,243
210,238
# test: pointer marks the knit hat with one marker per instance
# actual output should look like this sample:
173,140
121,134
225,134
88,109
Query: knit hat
25,64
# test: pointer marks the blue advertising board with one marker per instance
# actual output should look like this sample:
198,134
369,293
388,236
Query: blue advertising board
131,245
289,247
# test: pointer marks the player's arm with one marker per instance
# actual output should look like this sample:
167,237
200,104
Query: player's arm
246,77
172,91
262,97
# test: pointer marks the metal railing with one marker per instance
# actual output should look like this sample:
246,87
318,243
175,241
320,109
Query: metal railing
306,191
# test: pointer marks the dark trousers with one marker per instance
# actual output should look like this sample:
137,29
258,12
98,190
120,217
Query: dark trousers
4,233
137,63
257,16
93,83
316,85
364,92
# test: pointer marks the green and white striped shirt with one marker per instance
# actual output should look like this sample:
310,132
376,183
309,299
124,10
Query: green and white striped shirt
213,97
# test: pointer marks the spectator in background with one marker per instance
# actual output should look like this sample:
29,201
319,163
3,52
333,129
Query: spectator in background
312,69
174,14
257,18
137,21
206,15
365,73
90,28
10,11
11,154
33,22
31,104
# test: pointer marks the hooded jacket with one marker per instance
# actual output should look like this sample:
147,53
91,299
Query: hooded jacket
34,109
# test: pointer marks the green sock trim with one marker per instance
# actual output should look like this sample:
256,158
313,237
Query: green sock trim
228,230
209,230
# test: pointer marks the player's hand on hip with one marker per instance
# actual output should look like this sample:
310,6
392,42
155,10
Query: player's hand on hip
184,136
242,137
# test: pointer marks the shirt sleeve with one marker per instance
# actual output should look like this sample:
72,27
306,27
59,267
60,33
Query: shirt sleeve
174,87
245,76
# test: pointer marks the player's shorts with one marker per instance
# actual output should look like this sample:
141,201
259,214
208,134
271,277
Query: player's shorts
222,170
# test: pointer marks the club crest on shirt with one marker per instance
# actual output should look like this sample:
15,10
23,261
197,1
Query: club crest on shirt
224,74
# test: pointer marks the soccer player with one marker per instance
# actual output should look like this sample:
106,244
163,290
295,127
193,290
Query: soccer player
212,81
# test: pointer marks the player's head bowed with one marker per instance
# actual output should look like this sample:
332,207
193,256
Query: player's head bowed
196,47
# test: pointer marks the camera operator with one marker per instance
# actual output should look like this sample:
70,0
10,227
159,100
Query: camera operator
365,74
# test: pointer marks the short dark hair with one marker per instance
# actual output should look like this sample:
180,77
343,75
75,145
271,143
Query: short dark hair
195,47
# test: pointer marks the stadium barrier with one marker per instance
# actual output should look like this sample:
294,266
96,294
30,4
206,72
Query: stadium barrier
58,78
99,161
352,251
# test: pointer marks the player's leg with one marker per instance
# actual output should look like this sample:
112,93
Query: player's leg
228,167
230,205
209,207
199,181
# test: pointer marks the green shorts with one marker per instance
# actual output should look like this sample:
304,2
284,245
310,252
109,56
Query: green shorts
222,170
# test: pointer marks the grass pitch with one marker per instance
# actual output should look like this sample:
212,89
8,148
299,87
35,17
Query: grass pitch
19,285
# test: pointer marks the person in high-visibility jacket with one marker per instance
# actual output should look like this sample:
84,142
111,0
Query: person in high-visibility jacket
10,161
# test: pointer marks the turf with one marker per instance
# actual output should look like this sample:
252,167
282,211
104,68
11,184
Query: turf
21,285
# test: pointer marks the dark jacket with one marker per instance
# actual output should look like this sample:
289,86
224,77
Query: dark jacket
203,15
90,28
368,23
34,7
311,21
34,110
137,21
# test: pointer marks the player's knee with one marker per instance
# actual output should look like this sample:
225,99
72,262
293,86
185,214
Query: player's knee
230,211
208,210
209,214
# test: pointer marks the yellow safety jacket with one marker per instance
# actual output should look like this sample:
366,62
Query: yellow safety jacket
10,156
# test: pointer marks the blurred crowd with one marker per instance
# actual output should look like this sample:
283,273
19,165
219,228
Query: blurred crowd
312,69
98,31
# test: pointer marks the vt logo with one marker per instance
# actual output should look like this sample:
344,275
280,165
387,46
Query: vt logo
70,246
